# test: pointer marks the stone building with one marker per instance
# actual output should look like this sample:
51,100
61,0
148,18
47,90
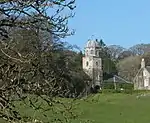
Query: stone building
92,64
142,79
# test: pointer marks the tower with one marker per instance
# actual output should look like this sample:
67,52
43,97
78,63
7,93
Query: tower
92,63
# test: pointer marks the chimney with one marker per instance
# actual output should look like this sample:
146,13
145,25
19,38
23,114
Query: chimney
143,63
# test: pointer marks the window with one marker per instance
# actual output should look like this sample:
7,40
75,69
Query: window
87,63
97,53
92,52
96,63
146,82
144,73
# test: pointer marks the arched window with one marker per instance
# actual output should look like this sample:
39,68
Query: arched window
92,52
97,64
87,63
97,53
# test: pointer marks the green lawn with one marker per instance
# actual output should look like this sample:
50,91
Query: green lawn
108,108
117,108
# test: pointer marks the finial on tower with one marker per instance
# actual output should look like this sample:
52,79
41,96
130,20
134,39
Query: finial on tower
92,37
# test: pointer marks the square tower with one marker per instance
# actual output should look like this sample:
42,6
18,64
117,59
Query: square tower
92,63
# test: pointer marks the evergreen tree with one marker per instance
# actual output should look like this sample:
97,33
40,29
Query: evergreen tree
109,66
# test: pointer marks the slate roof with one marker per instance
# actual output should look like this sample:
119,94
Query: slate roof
117,80
148,68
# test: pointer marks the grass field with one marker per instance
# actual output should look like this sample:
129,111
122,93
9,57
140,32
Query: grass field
117,108
109,108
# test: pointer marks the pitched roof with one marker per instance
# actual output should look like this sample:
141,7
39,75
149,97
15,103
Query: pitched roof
148,68
139,72
118,79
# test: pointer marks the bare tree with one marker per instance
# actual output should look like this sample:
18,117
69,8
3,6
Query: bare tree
27,71
125,54
146,57
115,51
140,49
128,67
32,13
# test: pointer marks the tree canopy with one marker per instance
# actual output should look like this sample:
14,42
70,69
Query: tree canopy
34,60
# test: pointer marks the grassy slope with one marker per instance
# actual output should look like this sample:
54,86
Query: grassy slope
117,108
111,108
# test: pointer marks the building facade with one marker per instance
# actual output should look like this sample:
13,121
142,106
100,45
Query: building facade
92,63
142,79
